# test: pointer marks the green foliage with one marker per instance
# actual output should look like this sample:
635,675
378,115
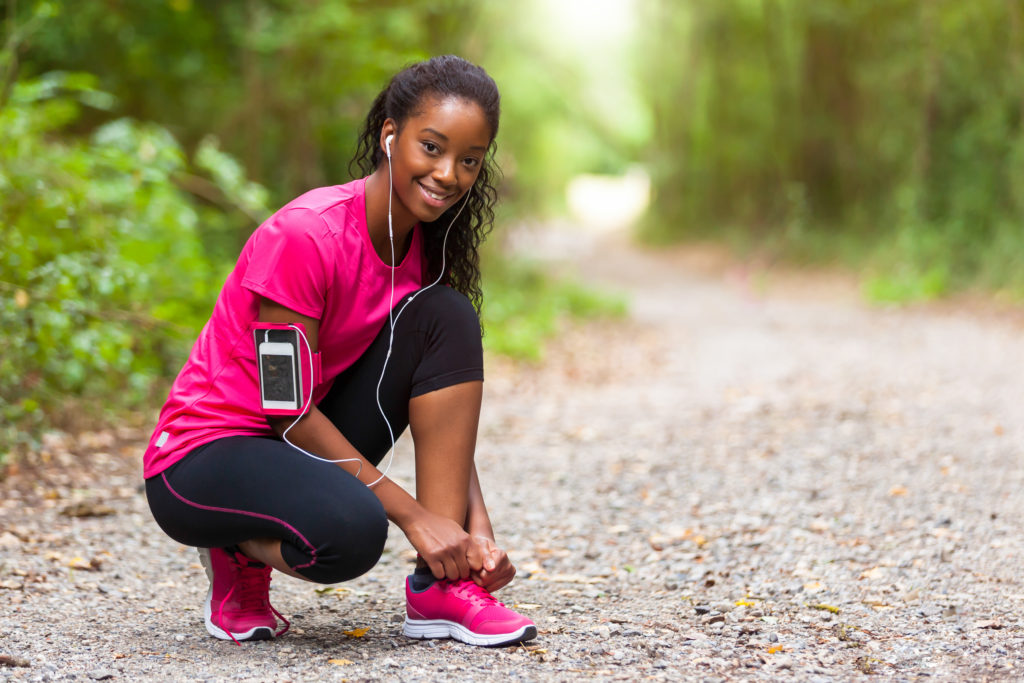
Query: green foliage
283,84
103,278
523,307
130,136
898,124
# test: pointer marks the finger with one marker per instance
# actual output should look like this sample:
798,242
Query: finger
487,549
436,568
462,566
451,570
475,557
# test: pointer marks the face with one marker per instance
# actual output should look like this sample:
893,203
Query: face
437,155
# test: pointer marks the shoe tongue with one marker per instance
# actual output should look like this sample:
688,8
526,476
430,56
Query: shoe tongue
245,561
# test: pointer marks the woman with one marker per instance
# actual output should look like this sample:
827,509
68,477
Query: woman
302,494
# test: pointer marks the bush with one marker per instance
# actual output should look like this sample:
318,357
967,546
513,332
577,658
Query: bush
104,279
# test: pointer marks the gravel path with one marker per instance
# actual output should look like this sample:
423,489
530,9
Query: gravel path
728,486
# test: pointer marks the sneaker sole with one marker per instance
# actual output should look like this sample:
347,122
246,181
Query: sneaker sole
257,633
442,628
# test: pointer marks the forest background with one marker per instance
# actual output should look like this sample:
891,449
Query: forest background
141,141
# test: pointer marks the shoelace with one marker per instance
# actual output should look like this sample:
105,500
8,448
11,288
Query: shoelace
474,593
255,584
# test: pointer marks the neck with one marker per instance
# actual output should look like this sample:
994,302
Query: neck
377,190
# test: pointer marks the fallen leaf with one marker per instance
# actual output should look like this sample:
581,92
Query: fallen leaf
813,587
357,632
11,660
746,603
988,623
898,491
88,510
527,606
826,608
339,662
872,573
694,635
81,563
774,648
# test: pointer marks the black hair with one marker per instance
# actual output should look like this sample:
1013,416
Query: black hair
443,77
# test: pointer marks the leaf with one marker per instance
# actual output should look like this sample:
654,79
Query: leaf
526,606
746,603
80,563
357,632
340,662
872,573
88,510
988,623
898,491
774,648
826,608
11,660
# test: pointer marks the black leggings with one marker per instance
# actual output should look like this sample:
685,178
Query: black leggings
331,525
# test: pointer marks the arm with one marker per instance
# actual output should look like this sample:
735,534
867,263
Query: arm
443,544
478,522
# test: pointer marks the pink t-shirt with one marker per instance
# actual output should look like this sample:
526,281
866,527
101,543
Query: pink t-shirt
313,256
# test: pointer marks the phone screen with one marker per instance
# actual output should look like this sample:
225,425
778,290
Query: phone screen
278,378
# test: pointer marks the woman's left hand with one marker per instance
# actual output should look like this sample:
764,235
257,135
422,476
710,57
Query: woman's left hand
497,571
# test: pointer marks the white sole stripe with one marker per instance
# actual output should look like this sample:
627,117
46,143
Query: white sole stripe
442,628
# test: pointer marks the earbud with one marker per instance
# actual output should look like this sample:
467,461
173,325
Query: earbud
387,145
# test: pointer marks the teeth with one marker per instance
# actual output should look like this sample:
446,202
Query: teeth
434,195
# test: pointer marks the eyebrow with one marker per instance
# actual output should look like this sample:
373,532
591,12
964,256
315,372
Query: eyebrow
445,138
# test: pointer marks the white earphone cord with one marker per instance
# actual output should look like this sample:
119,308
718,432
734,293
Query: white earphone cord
392,319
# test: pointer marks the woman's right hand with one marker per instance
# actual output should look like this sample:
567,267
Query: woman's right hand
444,545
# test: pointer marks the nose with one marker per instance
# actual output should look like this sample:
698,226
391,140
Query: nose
444,172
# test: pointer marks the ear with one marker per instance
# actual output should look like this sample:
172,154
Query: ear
389,128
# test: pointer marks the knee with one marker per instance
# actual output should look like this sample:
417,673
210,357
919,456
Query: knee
443,308
355,543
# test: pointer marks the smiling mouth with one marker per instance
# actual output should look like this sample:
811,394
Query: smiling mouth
439,197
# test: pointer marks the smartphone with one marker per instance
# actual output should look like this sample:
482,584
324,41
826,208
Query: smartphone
279,387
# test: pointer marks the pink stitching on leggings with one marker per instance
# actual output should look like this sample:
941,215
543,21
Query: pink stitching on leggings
258,515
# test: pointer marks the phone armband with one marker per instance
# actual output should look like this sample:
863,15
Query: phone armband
288,372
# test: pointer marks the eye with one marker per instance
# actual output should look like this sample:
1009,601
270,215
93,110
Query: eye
471,162
430,147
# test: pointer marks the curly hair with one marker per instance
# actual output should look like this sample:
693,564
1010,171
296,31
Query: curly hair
445,76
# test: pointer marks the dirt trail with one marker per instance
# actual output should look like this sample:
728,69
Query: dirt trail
741,482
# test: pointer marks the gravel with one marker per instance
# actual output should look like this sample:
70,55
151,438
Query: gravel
741,482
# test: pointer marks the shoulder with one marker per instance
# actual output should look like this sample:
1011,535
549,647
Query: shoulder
336,206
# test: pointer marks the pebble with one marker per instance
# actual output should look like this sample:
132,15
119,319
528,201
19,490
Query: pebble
787,452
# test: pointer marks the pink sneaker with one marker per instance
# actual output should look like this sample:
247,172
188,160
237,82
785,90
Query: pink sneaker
237,606
464,611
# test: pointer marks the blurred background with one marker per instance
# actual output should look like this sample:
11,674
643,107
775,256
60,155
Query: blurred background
141,141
